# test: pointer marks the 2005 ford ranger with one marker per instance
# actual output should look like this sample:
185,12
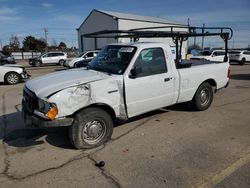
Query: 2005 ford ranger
122,81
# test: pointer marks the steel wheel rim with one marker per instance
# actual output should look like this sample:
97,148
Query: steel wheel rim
12,78
204,97
94,131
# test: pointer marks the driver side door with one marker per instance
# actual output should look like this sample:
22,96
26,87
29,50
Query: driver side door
150,84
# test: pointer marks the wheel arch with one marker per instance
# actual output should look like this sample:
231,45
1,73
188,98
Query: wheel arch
211,81
5,75
103,106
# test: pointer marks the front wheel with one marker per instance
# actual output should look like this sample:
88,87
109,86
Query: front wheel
12,78
203,97
91,128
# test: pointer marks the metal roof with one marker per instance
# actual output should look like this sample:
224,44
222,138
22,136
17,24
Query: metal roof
136,17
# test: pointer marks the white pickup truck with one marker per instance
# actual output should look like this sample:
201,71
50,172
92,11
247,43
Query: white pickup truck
122,81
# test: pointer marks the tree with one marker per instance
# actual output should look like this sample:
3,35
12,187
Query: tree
14,43
62,46
31,43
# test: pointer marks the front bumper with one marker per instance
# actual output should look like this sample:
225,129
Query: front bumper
25,75
32,120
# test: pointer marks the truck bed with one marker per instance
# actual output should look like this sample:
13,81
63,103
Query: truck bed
189,63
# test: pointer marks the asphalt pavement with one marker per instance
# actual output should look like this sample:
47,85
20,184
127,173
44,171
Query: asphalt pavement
170,147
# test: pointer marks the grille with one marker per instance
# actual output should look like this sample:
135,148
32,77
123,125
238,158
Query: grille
30,100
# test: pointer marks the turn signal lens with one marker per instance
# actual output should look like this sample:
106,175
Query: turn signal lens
52,113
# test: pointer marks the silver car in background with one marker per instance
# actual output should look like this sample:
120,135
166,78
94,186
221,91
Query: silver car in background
49,58
240,56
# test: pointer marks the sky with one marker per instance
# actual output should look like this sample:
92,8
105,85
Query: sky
61,18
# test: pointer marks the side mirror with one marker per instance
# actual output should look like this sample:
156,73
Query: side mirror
134,72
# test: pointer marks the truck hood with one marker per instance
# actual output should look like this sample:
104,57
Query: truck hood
46,85
13,65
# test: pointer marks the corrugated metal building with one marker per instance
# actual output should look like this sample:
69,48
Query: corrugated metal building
99,20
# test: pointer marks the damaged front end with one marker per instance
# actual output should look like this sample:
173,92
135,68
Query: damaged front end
59,108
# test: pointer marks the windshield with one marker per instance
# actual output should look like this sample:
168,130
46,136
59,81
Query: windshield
205,53
81,54
113,59
42,54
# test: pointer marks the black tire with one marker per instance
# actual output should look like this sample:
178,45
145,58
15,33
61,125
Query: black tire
242,62
37,64
203,97
12,78
95,121
61,62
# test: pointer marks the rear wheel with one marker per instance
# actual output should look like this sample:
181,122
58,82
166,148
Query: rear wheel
91,128
203,97
12,78
242,62
61,62
38,63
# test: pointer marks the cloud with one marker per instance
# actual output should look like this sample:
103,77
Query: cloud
69,18
47,5
8,15
7,11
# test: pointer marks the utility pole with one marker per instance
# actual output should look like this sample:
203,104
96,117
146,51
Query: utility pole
46,38
188,39
202,40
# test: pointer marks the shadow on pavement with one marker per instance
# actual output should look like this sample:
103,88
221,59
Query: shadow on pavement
15,134
240,77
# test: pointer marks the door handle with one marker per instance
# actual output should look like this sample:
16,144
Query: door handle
167,79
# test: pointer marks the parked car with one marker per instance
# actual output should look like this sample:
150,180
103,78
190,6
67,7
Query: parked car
81,63
13,73
49,58
123,81
83,57
239,56
211,55
6,58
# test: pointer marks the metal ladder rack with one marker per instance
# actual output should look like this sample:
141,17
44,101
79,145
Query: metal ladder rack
178,37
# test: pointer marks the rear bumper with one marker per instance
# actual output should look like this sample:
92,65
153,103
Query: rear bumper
32,120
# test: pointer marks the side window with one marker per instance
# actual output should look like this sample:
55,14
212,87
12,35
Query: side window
51,55
246,53
150,62
90,54
220,53
46,55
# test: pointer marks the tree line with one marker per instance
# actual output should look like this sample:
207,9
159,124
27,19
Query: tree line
31,43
